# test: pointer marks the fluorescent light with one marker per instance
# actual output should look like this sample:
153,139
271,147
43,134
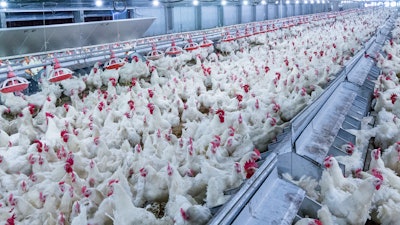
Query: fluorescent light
3,4
223,2
245,2
306,2
312,1
156,3
277,2
297,2
263,2
195,2
99,3
323,1
287,2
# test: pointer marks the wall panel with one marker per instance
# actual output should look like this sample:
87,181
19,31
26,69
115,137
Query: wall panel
272,11
246,14
184,19
290,10
209,17
158,27
230,15
261,12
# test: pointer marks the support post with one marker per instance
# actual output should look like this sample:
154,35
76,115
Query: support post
79,16
3,20
198,17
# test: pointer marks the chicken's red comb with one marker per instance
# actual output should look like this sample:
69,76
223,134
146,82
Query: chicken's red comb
112,182
377,173
250,164
184,215
49,115
220,111
63,132
38,142
328,158
317,222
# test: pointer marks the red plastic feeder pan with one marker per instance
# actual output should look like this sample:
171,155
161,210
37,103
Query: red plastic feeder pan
205,43
173,49
228,37
154,54
58,73
13,83
247,33
114,63
191,46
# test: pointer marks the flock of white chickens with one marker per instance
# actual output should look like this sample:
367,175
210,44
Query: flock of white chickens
159,142
373,194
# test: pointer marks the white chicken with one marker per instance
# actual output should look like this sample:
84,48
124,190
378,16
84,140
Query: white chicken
391,156
354,207
125,213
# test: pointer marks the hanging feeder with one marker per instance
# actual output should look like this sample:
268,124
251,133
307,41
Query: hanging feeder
291,23
238,35
58,73
173,49
247,32
191,46
271,27
285,25
205,43
114,63
262,29
154,54
228,37
13,83
255,31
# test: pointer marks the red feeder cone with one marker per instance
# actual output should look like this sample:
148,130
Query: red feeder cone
58,73
114,63
13,83
191,46
173,49
154,54
205,43
228,37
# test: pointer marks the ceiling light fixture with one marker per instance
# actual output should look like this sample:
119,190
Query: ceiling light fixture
98,3
156,3
223,2
195,2
245,2
263,2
